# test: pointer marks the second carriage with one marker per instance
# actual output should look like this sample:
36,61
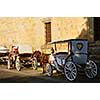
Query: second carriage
21,56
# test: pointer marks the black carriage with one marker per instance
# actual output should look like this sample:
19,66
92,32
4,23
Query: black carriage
69,60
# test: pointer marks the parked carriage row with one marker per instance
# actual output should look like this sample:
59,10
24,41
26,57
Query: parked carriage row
68,61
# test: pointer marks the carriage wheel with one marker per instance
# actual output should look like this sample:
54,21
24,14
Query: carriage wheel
9,64
49,70
91,69
18,65
70,71
34,64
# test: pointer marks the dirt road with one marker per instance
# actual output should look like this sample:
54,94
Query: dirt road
28,75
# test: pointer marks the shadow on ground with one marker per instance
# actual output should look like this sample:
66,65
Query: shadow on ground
45,79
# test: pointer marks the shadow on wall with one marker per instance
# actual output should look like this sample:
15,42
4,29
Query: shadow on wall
87,33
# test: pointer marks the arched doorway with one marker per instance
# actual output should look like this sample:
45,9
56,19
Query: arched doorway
96,28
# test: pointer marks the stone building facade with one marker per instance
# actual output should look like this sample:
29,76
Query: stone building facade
38,31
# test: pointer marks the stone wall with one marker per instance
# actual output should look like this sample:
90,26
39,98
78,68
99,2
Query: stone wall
31,30
71,28
16,30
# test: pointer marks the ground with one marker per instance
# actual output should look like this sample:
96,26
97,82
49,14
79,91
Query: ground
28,75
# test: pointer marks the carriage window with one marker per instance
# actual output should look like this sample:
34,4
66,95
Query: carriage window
48,32
79,46
62,47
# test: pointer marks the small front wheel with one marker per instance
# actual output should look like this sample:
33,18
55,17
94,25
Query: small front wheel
70,71
49,70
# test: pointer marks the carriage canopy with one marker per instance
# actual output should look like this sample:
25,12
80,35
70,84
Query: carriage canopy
24,48
79,48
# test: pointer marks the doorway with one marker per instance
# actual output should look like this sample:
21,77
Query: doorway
48,32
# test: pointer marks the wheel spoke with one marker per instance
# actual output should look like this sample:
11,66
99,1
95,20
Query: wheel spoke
94,72
91,74
67,72
74,73
73,70
71,76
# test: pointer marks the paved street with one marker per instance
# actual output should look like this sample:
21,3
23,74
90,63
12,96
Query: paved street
28,75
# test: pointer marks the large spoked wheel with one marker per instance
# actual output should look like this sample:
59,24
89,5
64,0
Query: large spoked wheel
91,69
49,70
34,64
70,71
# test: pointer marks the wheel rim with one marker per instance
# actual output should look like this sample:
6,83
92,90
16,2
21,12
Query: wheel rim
18,65
91,69
70,71
9,64
34,65
49,70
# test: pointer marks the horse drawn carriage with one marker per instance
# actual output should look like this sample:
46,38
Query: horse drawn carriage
20,56
75,56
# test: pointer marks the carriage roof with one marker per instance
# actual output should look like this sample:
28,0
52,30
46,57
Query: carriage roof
63,41
24,48
62,45
72,42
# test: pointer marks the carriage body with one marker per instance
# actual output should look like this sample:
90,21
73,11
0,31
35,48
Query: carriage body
75,55
79,49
